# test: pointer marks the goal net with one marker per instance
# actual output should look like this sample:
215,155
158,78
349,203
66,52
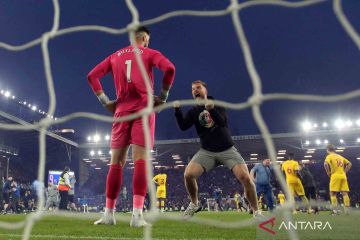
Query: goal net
254,102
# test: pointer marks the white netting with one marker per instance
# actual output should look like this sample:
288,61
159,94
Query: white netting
254,101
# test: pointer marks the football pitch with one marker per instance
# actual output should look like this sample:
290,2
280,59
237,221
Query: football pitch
81,227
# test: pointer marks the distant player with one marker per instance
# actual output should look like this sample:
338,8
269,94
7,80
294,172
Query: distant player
281,198
336,167
291,169
160,180
131,97
237,200
217,147
52,196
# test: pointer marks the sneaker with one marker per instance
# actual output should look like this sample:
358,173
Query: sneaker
258,215
192,209
335,212
107,218
138,221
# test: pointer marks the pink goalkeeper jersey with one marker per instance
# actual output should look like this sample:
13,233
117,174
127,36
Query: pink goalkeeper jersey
129,84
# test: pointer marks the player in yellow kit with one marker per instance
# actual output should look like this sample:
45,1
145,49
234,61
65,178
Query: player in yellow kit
336,167
281,197
291,169
160,180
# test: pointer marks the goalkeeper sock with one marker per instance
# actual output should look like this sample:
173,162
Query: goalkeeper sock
113,184
333,200
139,184
346,201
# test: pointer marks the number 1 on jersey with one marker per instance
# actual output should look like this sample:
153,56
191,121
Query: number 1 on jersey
128,70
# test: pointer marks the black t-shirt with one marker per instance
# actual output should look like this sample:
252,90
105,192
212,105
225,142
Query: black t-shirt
211,127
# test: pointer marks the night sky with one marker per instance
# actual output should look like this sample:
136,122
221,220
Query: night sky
302,50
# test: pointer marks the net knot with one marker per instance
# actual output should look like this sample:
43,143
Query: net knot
133,26
234,6
256,99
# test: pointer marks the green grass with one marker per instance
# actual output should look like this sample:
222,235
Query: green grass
58,227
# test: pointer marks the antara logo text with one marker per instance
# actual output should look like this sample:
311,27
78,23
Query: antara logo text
305,225
268,225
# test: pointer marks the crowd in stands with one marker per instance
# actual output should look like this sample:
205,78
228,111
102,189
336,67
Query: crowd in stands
218,185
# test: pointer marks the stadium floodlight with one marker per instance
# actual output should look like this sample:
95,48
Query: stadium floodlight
99,152
107,137
306,126
33,108
2,91
309,151
325,124
280,157
89,138
339,124
253,154
358,122
339,150
7,94
24,102
317,141
341,140
92,153
253,158
13,97
305,160
155,162
96,138
326,141
110,152
358,140
307,156
349,123
307,142
282,151
315,125
29,105
98,168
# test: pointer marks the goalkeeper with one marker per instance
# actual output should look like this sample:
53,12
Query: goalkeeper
217,148
131,96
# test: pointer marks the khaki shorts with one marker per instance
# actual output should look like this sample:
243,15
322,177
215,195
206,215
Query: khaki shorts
208,160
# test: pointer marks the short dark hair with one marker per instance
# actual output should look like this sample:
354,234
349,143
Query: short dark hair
66,169
200,82
330,148
143,29
291,155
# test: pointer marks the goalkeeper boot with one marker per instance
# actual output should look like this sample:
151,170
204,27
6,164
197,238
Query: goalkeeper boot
137,220
107,218
192,209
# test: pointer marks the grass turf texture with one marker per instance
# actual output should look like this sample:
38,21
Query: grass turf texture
56,227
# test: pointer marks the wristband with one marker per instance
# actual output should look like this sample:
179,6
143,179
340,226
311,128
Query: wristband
103,99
